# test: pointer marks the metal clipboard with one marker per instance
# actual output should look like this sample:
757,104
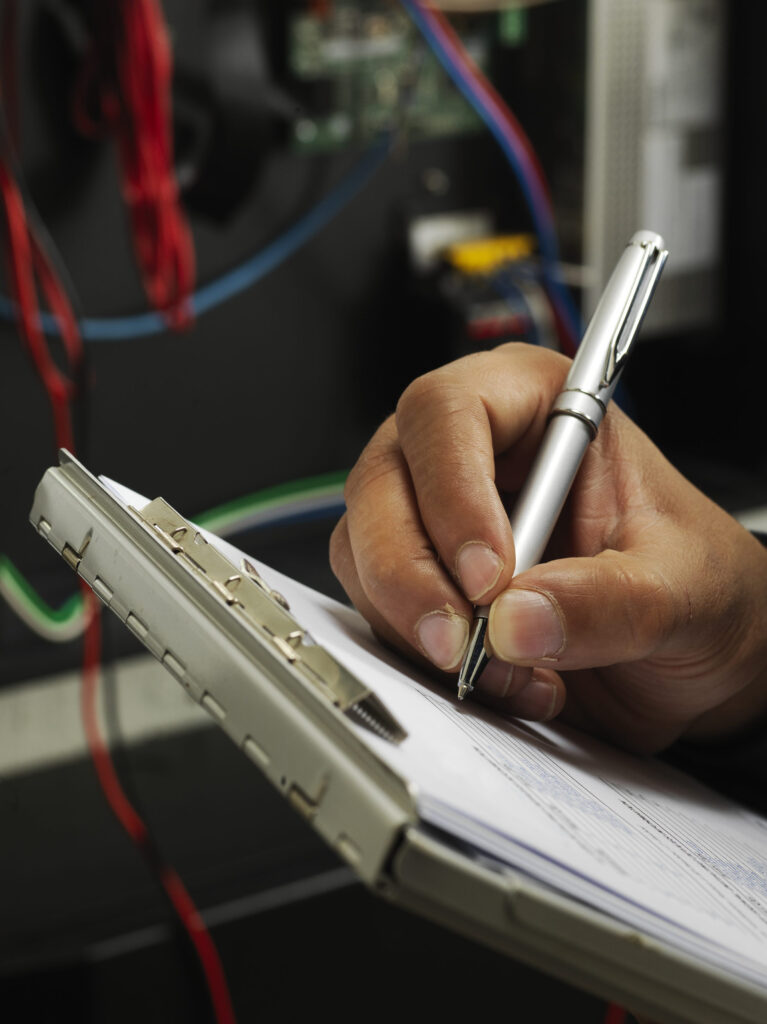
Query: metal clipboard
233,645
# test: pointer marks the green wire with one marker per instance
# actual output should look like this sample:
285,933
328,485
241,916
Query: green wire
311,487
19,593
10,575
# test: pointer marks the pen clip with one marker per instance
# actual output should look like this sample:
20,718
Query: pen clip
640,294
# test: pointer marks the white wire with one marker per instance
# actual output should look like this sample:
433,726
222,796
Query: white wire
55,632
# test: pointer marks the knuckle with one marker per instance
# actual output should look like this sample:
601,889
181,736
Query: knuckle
440,392
387,578
380,457
522,350
451,384
532,359
419,394
383,580
375,468
339,549
437,409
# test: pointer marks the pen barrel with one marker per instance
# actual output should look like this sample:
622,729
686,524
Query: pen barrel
545,491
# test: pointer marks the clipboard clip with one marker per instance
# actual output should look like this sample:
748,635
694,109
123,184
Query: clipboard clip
249,598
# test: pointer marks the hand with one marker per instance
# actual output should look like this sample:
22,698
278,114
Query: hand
647,621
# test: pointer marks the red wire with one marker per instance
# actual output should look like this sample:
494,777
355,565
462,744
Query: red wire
568,343
490,91
22,250
133,824
60,306
615,1014
26,255
127,79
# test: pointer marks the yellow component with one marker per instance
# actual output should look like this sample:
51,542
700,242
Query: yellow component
484,255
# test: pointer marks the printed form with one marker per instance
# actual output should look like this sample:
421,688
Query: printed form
629,836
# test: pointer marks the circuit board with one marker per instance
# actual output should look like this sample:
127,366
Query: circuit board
368,72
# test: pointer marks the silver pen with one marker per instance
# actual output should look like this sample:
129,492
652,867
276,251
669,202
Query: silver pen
575,419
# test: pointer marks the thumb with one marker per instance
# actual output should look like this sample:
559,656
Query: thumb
585,612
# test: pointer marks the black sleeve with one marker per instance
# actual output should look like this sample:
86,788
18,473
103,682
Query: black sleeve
737,768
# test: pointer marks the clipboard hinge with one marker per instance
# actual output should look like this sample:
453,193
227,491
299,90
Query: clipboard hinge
289,645
73,556
247,596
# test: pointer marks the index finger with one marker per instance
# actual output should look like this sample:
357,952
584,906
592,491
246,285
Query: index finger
451,424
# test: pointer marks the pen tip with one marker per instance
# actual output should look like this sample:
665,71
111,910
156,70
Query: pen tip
475,660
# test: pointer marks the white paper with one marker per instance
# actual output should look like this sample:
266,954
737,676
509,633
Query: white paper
630,836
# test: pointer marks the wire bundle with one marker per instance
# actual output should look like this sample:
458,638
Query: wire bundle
30,268
242,277
26,255
507,131
167,261
127,81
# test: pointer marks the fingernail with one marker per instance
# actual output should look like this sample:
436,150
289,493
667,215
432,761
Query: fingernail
535,701
525,626
478,568
442,637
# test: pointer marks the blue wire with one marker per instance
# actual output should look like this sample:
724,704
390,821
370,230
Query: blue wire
235,281
531,188
544,226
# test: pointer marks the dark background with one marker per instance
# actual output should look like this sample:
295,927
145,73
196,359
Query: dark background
291,377
286,381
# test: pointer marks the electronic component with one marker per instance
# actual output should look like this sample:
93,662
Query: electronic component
504,301
494,284
486,286
365,71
